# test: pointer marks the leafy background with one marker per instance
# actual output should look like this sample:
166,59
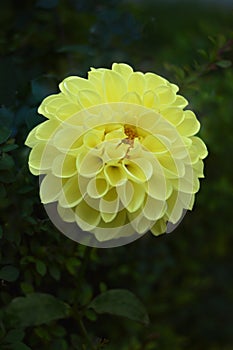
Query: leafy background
58,295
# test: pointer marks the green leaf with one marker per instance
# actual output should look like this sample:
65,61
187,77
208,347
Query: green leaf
19,346
9,147
55,272
224,64
5,133
9,273
1,231
41,267
26,288
72,264
120,302
6,162
35,309
14,335
6,117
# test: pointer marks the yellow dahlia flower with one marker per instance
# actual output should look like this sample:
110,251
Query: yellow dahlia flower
118,153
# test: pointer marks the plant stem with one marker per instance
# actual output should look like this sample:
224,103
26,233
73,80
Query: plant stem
85,334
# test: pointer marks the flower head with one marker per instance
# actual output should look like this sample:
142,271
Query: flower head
118,153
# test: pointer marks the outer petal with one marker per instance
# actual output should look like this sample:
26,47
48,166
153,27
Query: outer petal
114,86
50,189
123,69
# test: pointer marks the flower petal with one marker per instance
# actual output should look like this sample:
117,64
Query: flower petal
64,166
131,195
90,164
71,193
114,86
42,156
110,230
153,209
50,188
139,222
132,97
89,98
139,170
153,81
66,214
97,187
137,83
72,85
174,115
47,130
123,69
115,174
159,227
190,125
86,217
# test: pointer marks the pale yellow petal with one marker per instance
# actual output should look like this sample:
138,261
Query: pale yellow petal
51,103
159,227
115,151
180,102
199,147
153,209
190,125
189,183
42,156
109,205
131,195
86,216
113,229
67,111
139,170
72,85
89,98
71,193
97,187
114,86
153,81
156,144
174,115
50,188
68,139
64,165
66,214
115,174
199,168
137,83
172,167
31,139
93,138
150,99
139,222
132,97
90,165
165,94
123,69
47,130
157,184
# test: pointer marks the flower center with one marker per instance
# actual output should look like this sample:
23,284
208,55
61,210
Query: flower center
130,131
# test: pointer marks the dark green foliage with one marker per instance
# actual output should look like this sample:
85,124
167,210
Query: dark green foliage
122,303
54,293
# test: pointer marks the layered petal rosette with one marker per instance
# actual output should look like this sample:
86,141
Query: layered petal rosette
117,155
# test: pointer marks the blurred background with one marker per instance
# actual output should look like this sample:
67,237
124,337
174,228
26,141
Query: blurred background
185,278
